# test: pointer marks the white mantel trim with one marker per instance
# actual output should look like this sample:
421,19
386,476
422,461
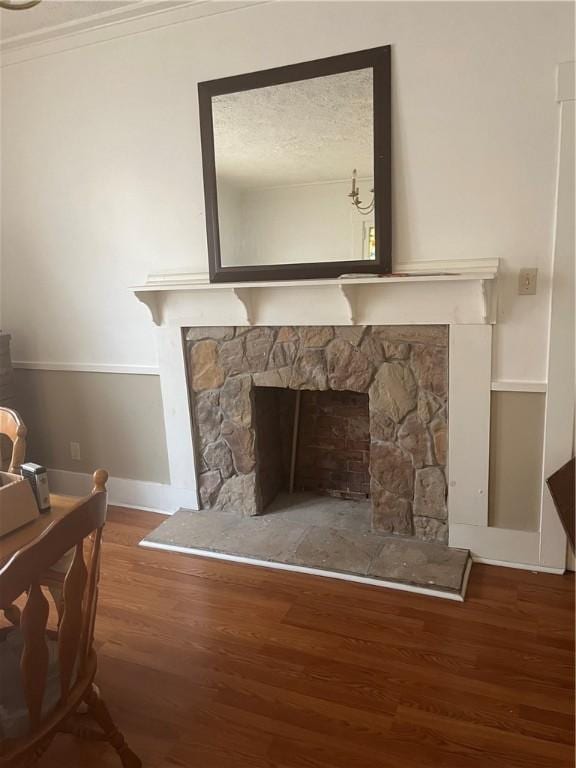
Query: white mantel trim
459,294
465,299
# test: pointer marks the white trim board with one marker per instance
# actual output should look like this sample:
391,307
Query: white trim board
518,386
462,266
518,566
469,375
124,492
176,407
560,411
498,545
457,298
317,571
139,370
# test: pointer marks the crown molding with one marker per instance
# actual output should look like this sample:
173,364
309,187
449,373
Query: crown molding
134,19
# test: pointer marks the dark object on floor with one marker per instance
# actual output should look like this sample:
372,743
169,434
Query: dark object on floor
561,486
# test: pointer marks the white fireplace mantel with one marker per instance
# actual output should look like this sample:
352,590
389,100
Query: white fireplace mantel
449,292
461,294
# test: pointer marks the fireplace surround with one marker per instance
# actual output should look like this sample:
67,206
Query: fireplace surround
461,295
403,371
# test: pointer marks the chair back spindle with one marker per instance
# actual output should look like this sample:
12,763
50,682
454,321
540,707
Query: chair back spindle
70,632
35,656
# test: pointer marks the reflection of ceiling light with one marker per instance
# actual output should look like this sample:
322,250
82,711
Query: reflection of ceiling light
18,5
355,195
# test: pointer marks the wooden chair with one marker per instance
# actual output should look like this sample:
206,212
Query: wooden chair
46,675
13,427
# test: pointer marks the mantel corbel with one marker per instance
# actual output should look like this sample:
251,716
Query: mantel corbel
246,298
150,300
489,300
350,294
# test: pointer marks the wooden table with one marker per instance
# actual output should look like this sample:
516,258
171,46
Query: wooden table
13,542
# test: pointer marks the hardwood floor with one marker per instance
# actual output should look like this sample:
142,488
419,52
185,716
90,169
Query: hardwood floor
206,664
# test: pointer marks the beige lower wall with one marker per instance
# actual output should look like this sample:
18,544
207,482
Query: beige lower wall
516,443
116,418
119,423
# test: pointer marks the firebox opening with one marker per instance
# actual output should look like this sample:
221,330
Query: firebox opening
313,441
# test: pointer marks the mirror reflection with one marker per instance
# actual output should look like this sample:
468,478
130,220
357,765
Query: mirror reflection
295,171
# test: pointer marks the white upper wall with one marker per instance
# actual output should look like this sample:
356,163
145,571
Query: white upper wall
102,182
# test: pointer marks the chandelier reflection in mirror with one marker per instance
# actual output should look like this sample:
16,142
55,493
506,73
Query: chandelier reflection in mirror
355,196
18,5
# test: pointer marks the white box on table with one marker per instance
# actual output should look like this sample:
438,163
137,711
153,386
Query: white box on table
17,503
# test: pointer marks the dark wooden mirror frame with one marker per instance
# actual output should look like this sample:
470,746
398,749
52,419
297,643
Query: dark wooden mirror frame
377,59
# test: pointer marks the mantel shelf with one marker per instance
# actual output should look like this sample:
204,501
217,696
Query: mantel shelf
459,292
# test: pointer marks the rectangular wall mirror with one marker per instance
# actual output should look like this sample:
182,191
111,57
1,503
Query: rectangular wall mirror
297,169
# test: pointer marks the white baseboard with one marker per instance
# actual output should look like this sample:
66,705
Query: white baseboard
123,492
518,566
496,545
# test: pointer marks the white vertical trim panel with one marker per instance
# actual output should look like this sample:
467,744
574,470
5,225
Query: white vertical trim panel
176,405
502,544
559,419
470,369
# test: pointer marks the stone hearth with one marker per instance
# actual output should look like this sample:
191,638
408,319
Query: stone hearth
314,534
404,371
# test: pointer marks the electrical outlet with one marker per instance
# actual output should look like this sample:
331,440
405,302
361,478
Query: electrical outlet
75,451
527,281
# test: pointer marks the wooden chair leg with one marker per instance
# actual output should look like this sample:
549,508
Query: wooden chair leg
31,758
13,614
99,711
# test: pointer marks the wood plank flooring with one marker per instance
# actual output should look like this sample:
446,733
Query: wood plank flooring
207,664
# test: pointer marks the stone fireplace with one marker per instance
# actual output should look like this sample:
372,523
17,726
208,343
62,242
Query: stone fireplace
350,411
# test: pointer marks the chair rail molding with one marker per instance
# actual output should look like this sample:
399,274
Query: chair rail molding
525,385
127,369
